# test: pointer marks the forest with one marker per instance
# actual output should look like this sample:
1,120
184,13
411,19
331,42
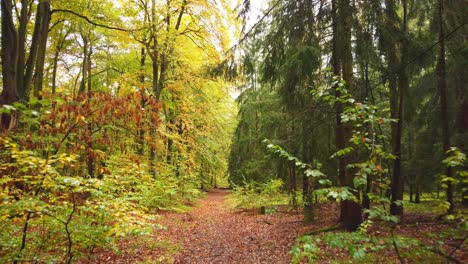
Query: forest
234,131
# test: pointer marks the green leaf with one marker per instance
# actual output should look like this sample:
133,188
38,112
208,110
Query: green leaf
359,181
313,173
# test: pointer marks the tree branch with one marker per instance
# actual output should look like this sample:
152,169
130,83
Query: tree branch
91,21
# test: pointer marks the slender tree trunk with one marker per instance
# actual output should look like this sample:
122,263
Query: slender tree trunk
141,129
21,53
58,49
393,62
88,70
43,13
293,182
397,179
411,192
307,182
29,67
54,71
89,149
417,198
442,85
84,67
365,195
339,134
308,207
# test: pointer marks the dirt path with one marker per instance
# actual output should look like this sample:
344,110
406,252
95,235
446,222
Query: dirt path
214,233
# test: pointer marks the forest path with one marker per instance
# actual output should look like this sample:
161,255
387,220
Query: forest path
213,232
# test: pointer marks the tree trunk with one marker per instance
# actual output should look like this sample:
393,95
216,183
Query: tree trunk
351,211
410,192
307,182
396,104
58,49
293,181
442,85
84,66
21,54
141,129
43,13
89,69
308,208
417,199
9,52
89,149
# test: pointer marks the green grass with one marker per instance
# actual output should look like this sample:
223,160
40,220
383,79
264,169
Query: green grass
430,204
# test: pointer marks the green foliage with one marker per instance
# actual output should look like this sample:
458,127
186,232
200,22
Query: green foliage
361,246
256,195
455,160
60,217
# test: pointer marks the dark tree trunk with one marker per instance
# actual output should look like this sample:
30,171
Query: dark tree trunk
351,211
307,182
21,54
411,193
396,102
24,85
58,50
308,207
397,179
84,66
442,85
9,52
417,198
141,129
293,181
365,195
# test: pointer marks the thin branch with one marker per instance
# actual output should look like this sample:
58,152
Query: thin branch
254,27
92,22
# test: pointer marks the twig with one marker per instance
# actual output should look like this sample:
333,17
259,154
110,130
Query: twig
459,246
395,246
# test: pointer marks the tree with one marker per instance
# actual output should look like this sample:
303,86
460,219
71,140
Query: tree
9,62
442,87
351,216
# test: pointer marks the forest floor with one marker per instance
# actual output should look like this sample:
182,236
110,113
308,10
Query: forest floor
215,232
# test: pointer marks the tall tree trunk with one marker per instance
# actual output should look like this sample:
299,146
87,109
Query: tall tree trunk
396,104
89,69
58,49
442,85
141,78
339,134
21,55
43,13
9,52
25,86
84,66
351,211
307,182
